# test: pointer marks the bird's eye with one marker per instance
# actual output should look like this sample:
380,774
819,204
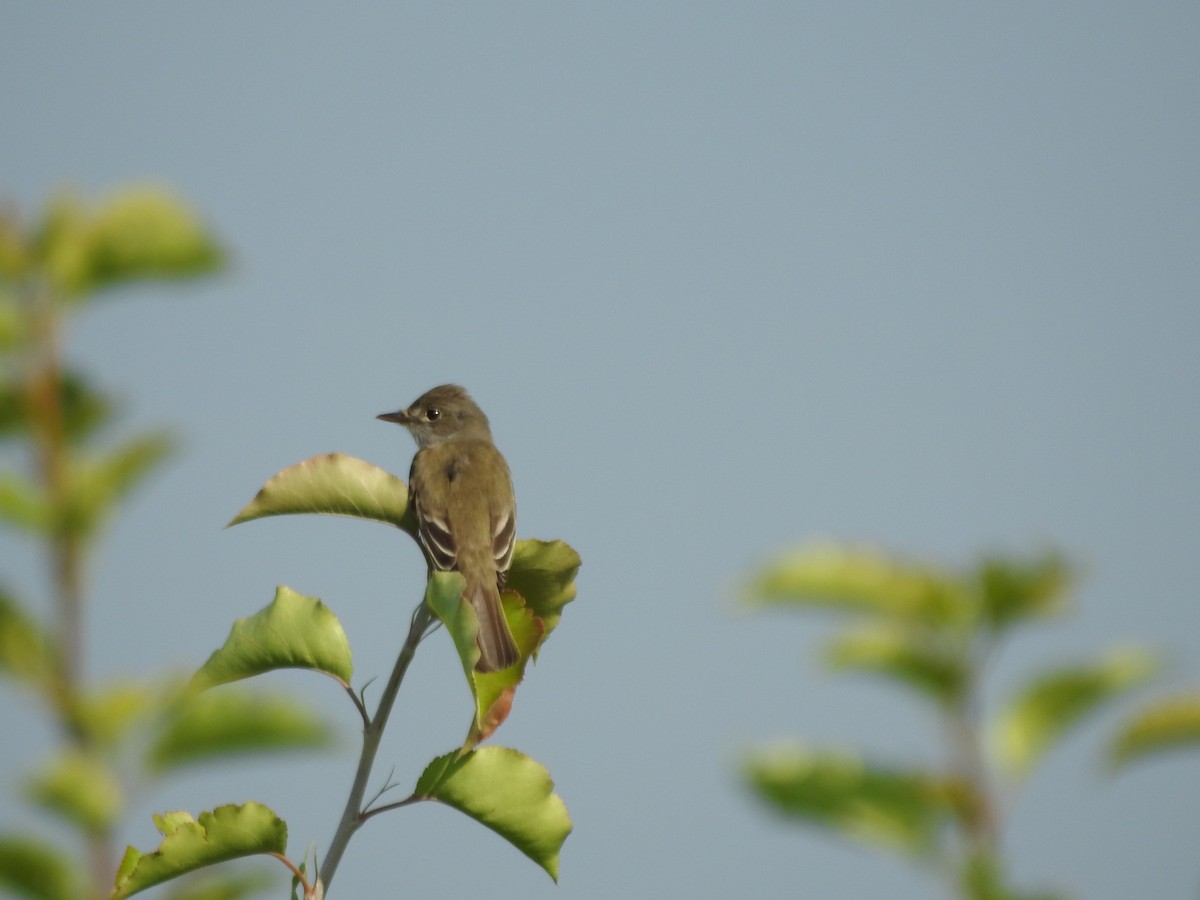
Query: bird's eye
433,414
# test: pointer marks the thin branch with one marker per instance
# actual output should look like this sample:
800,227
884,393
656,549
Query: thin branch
353,815
388,785
981,824
388,807
296,873
43,399
359,705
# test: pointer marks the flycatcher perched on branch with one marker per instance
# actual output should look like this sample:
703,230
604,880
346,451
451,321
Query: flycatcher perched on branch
462,492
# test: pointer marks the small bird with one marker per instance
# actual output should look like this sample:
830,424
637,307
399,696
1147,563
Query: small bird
461,489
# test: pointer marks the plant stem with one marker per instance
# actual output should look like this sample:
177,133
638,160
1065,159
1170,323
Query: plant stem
980,822
352,815
44,392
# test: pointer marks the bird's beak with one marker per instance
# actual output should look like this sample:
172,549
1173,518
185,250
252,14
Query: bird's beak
400,417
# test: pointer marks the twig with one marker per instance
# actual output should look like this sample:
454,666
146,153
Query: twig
387,807
353,815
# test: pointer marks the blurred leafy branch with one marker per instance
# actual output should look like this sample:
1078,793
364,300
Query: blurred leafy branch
933,632
62,491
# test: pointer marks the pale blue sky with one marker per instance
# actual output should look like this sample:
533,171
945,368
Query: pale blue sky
726,277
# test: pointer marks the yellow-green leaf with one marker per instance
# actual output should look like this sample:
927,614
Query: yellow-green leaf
1168,723
96,484
24,505
491,691
26,651
38,870
208,726
80,788
13,325
1013,590
911,656
509,793
148,232
1048,706
540,583
228,832
62,245
543,573
138,232
106,714
82,409
333,484
16,255
983,879
292,632
849,580
223,884
884,807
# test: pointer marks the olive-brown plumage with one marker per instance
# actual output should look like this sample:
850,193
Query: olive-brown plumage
462,493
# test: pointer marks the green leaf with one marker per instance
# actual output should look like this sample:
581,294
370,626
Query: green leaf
82,409
1046,708
847,580
443,595
492,691
1165,724
107,714
16,255
917,658
543,573
62,245
147,232
983,880
26,651
97,484
13,415
292,632
337,485
224,886
208,726
142,231
506,791
1013,591
228,832
300,876
81,789
12,322
37,870
540,582
884,807
23,505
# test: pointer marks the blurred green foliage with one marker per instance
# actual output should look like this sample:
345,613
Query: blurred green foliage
932,632
121,735
1163,724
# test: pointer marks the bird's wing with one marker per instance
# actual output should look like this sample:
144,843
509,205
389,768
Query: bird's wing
433,531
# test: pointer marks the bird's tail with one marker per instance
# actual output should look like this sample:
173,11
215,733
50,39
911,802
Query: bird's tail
497,649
